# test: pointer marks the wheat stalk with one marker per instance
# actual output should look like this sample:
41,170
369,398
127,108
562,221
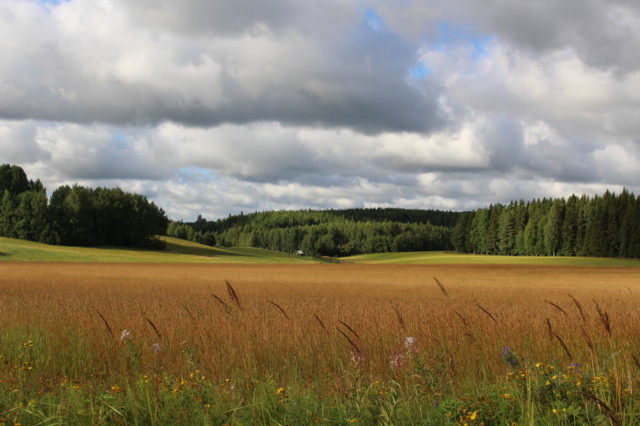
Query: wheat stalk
442,289
399,317
106,324
189,312
487,312
349,328
579,306
280,309
564,346
604,318
233,295
320,321
351,342
557,307
463,319
549,328
153,326
587,337
608,411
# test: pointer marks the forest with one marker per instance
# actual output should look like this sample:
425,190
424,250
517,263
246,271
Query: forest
327,232
605,225
600,226
76,215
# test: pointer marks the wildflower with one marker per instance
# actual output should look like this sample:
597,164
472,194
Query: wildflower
395,360
125,335
410,343
473,415
507,396
510,357
279,391
156,347
538,364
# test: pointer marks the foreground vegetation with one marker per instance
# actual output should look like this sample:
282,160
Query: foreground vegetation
299,344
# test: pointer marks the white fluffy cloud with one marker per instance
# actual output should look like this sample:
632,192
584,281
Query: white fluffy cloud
216,107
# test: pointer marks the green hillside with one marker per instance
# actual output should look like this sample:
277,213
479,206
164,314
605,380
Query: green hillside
441,257
177,251
182,251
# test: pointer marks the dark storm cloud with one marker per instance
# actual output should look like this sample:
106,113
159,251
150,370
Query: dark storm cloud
355,77
216,107
207,17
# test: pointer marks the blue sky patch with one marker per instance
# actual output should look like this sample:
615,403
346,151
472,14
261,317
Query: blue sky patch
420,71
374,21
451,34
52,2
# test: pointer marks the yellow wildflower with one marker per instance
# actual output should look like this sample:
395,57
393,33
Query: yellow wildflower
279,391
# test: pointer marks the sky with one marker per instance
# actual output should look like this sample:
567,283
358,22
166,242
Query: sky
216,107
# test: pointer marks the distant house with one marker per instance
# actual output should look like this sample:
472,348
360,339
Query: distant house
299,253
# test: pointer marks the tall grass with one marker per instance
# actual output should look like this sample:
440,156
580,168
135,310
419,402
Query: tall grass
335,343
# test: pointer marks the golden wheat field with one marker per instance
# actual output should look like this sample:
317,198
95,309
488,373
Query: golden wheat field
293,322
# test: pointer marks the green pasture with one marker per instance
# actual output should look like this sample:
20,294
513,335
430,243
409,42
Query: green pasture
177,251
182,251
442,257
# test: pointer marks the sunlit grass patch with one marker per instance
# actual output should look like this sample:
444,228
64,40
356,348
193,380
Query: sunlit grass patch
441,257
177,251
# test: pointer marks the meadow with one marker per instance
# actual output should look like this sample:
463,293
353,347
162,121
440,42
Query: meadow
135,343
177,251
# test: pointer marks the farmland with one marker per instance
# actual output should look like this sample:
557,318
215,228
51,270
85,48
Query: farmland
328,343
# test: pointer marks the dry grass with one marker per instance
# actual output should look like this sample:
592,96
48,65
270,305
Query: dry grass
301,322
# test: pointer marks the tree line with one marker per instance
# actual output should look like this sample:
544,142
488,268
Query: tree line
75,215
600,226
327,232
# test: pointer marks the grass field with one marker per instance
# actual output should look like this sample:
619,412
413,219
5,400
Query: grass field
124,343
182,251
441,257
177,251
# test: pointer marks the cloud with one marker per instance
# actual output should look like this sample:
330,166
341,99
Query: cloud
215,107
119,73
602,33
